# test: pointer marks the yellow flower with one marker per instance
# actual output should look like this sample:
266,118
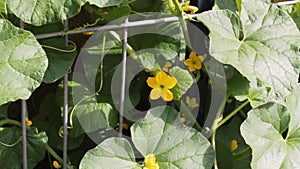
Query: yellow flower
182,119
161,84
150,162
188,8
194,62
234,145
191,102
56,164
28,122
166,66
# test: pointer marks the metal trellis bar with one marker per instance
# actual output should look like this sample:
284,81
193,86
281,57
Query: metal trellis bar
116,27
65,116
123,81
23,120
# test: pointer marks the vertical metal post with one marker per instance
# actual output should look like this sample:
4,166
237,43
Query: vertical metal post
65,116
123,81
23,119
24,138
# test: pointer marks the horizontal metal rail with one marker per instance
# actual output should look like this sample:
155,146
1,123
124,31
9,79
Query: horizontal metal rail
287,3
115,27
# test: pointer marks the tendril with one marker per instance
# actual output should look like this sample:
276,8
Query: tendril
11,145
62,50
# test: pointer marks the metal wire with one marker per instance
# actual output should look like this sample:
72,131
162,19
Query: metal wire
123,81
65,116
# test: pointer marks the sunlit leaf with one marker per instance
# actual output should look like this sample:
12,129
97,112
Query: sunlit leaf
273,133
23,63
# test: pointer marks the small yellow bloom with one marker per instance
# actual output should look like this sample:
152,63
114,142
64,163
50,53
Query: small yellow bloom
125,126
28,122
56,164
188,8
161,84
234,145
166,66
150,162
194,62
191,102
88,33
182,119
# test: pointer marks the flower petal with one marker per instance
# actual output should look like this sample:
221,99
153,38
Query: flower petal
170,82
167,95
188,100
156,93
193,55
160,77
151,81
192,68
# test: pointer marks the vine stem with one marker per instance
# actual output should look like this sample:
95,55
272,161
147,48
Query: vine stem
232,113
55,155
10,121
176,10
242,154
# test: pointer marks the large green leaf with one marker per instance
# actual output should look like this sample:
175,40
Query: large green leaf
273,133
41,12
184,81
60,58
262,45
175,146
114,153
11,147
23,63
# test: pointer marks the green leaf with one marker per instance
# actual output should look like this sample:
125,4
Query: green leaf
225,157
87,114
11,147
115,14
41,12
106,3
295,14
175,146
23,63
49,120
60,59
184,81
111,153
239,87
264,52
3,8
273,133
226,4
3,111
